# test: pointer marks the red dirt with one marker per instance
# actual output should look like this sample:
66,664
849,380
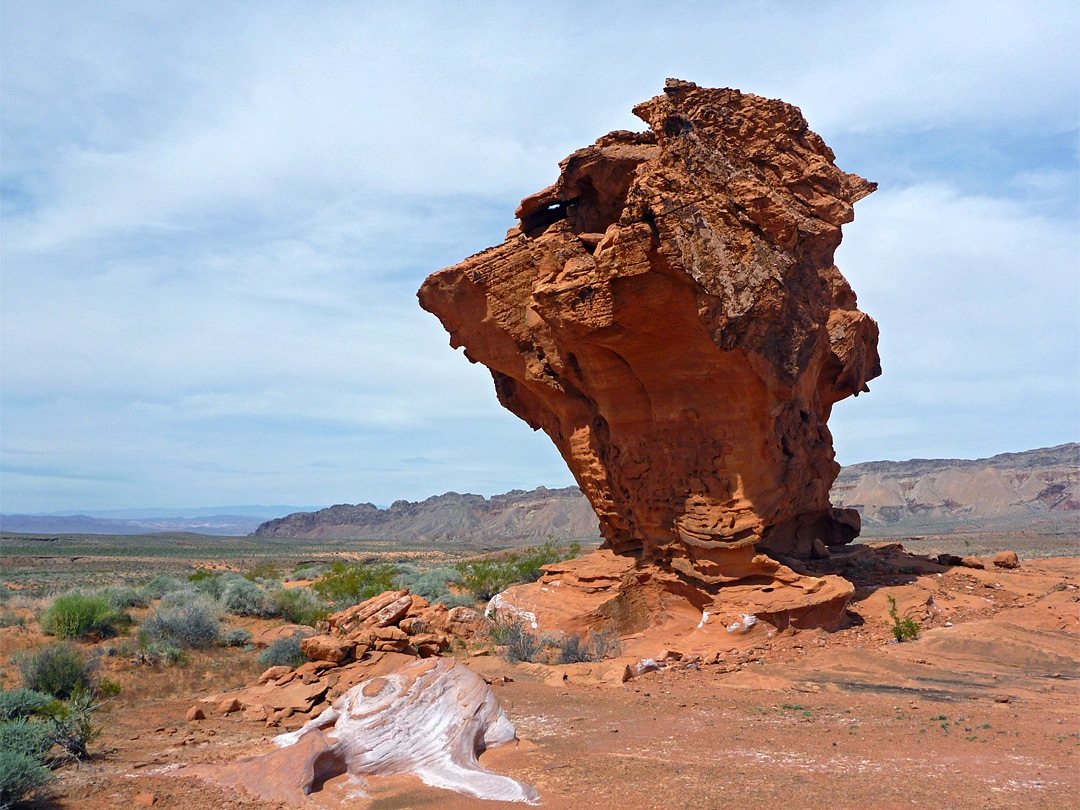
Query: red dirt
980,714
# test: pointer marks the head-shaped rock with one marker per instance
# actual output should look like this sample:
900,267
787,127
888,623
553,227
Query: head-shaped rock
668,312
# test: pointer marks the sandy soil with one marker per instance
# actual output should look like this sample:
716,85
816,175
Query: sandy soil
981,711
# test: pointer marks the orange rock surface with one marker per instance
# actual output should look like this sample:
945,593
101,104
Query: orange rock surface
668,312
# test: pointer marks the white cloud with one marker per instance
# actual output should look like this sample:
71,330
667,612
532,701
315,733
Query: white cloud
215,222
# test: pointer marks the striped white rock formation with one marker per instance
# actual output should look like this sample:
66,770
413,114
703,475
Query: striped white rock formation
431,718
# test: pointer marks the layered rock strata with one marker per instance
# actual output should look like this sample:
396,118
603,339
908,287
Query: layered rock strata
668,312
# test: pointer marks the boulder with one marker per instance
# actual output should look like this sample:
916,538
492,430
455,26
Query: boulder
327,648
274,673
971,561
1006,559
669,313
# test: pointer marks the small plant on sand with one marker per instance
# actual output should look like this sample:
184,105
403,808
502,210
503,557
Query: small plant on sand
283,652
599,644
902,629
237,637
520,642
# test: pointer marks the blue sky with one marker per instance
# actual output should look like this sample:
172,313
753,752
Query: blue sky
216,216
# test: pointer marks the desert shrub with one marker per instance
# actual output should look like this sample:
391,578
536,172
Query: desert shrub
242,597
902,629
58,670
347,584
453,600
76,615
283,652
9,618
194,624
518,639
209,583
307,571
237,637
124,596
185,595
163,653
107,688
21,774
72,727
268,571
431,584
161,585
30,736
597,646
21,703
485,578
299,605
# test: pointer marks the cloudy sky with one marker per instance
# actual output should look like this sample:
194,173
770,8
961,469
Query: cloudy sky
216,216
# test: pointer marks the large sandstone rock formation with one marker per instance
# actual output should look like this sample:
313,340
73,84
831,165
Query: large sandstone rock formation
668,312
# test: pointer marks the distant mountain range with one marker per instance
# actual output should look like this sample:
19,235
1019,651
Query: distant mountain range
892,496
921,491
221,520
518,517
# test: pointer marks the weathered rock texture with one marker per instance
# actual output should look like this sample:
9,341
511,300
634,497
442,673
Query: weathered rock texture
668,312
362,641
429,718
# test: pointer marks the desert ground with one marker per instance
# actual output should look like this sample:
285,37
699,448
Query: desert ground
980,711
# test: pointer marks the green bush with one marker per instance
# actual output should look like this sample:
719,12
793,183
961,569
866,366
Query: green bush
124,596
210,583
194,624
348,584
164,653
266,571
31,737
485,578
58,670
299,605
453,600
237,637
244,598
22,703
21,774
307,571
161,585
902,629
283,652
77,615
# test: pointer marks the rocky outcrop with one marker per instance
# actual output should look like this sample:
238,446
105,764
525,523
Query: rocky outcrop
427,718
668,312
359,642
